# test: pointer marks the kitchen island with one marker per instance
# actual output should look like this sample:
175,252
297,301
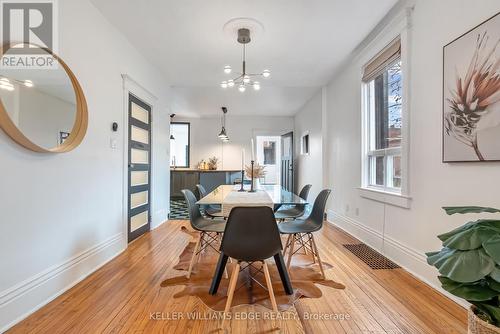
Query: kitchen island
184,178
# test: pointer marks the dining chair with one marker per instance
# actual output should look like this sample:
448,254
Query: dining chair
301,230
294,211
210,230
211,211
251,235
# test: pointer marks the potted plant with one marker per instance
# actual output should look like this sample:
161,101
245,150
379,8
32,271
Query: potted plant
212,163
469,267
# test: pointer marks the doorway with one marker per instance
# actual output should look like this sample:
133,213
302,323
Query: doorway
268,155
139,167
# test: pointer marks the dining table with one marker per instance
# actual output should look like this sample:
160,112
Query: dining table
230,196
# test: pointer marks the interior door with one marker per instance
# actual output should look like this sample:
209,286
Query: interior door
287,161
139,167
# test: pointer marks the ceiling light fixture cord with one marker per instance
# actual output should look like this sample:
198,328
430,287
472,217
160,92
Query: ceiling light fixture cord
244,59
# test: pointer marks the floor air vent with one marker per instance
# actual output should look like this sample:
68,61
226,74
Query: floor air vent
369,256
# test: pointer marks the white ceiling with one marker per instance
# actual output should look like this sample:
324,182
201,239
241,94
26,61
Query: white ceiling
303,43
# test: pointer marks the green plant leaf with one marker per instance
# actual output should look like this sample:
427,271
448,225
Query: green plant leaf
495,274
491,223
477,291
492,247
462,266
494,312
493,284
468,209
471,238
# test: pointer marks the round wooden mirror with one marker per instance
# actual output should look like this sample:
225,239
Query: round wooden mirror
41,108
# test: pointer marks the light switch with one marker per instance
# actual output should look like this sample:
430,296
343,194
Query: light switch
113,143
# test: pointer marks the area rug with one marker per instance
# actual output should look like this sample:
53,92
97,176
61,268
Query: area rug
304,275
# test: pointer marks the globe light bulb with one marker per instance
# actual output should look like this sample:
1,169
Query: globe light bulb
266,73
8,87
227,69
241,88
246,79
223,84
256,85
230,83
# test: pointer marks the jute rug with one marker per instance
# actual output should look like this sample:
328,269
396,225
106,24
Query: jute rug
304,275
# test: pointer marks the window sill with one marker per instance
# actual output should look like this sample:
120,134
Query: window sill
387,197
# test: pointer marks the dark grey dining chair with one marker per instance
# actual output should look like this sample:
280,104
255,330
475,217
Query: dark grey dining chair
211,211
251,235
294,211
300,231
210,230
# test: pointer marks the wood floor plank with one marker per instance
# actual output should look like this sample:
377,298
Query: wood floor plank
122,296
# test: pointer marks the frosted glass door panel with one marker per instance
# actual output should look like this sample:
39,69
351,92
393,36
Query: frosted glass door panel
138,199
140,114
138,178
138,221
139,135
139,156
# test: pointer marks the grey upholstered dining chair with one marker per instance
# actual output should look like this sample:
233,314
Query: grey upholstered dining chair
210,230
300,231
251,235
294,211
211,211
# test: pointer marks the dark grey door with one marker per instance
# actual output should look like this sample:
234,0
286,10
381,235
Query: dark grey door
287,161
139,167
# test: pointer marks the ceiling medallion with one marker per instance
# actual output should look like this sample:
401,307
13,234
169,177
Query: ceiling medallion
244,79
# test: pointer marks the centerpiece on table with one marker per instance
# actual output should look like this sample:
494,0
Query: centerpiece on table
469,264
258,173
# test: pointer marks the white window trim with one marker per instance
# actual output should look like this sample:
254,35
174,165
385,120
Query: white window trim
399,26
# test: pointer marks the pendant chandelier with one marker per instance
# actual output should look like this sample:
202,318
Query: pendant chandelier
223,135
171,120
244,79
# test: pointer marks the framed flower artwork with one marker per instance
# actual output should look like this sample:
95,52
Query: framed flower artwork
471,95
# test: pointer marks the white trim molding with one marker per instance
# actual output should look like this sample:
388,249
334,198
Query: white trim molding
386,197
398,27
132,86
413,261
21,300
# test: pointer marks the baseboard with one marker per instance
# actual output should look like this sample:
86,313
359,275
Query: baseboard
21,300
409,259
159,218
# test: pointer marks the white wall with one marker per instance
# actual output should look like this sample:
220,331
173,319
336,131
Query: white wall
406,234
61,214
309,168
240,129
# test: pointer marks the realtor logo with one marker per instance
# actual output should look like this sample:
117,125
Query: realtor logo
28,27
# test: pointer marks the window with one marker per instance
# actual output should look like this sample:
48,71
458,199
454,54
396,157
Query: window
179,144
304,144
269,152
383,111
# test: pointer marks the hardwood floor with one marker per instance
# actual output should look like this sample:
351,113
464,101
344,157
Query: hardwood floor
125,296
